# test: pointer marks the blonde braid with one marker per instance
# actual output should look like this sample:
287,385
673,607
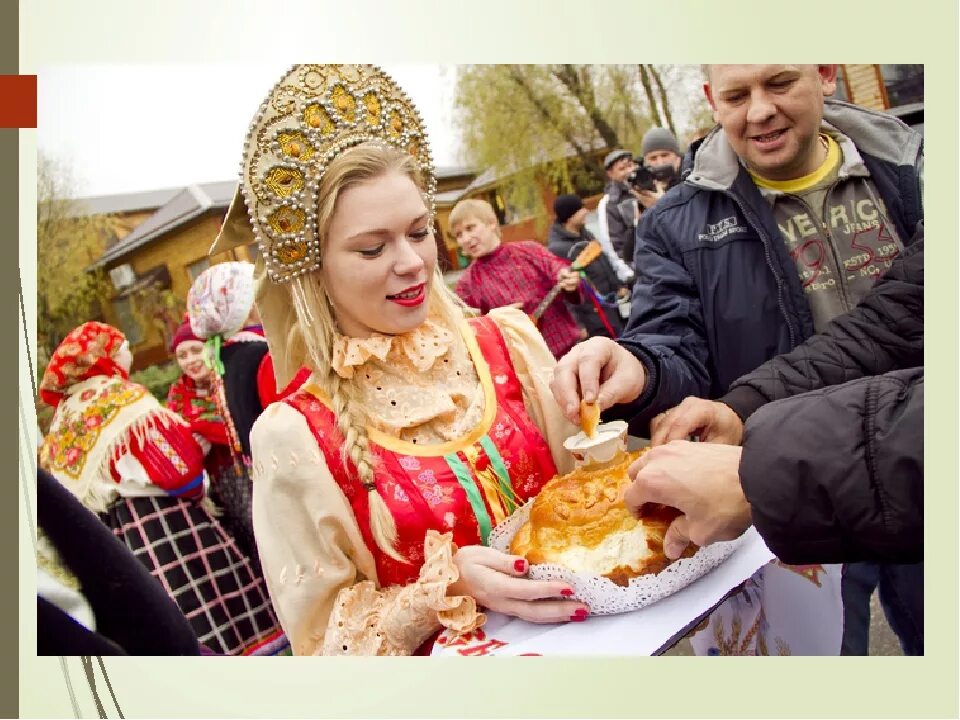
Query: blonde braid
315,322
356,448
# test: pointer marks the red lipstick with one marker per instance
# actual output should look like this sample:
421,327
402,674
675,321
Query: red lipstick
411,297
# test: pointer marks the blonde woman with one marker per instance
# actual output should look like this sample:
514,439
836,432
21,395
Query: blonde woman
377,483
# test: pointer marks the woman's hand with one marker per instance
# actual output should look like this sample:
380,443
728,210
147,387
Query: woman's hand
498,581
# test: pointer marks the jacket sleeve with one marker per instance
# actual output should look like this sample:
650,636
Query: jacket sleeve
120,590
465,289
666,329
883,333
621,268
836,475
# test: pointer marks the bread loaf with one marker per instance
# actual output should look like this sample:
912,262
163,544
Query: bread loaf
579,521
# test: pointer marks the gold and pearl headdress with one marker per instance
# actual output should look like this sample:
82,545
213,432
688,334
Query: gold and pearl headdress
311,115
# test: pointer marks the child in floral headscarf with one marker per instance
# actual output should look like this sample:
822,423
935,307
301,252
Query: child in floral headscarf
137,465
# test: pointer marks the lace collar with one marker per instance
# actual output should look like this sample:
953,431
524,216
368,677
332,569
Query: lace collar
420,348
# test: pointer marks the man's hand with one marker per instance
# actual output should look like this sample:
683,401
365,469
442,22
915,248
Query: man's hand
711,421
702,481
569,280
597,370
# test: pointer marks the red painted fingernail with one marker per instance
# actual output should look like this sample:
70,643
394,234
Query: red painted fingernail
520,565
567,592
580,615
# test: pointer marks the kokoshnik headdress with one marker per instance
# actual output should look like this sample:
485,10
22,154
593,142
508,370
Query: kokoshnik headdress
311,115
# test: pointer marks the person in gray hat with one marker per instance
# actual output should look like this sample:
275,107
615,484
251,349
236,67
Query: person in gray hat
660,154
660,150
618,211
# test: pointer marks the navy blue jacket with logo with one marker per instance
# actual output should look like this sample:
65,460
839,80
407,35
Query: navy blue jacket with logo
716,293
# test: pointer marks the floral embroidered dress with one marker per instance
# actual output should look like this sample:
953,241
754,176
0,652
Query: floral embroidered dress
464,432
137,465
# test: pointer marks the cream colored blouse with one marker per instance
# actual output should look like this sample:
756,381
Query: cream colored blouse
423,388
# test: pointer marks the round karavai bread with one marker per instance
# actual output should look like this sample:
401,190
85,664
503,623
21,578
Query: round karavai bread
579,521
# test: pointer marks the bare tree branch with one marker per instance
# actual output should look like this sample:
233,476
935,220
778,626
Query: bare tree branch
517,76
583,93
648,90
664,102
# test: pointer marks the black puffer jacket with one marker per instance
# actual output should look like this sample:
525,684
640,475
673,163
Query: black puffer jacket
832,460
883,333
847,484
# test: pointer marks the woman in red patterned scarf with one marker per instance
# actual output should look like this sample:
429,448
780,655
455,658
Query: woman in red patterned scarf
192,398
136,465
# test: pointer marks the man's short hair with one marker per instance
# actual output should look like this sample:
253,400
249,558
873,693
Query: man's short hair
615,155
473,209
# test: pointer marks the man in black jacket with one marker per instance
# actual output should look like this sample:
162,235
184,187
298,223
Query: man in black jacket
568,237
792,208
848,485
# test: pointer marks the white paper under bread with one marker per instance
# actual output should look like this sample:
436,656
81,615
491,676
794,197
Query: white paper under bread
641,632
605,597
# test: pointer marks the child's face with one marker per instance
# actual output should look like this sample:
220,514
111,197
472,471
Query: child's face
476,237
379,257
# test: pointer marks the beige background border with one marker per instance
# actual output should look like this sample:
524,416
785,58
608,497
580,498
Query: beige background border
499,31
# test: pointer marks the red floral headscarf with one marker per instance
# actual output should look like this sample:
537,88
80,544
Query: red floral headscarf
85,352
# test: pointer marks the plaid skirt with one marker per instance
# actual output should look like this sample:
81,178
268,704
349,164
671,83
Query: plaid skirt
232,491
200,567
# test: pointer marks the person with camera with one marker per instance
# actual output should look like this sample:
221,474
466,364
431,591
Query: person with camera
618,211
568,237
657,170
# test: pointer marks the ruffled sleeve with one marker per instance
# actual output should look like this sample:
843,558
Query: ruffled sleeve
321,576
534,365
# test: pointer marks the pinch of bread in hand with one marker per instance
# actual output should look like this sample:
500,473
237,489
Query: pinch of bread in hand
579,521
589,418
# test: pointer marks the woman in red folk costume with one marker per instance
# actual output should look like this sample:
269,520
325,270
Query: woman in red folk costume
137,465
376,485
192,398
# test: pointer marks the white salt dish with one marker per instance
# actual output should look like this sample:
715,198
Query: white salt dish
609,440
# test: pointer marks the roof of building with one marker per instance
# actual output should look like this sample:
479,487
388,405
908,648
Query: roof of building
445,171
125,203
176,206
190,203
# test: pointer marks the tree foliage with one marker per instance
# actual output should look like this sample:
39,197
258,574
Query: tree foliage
534,123
68,242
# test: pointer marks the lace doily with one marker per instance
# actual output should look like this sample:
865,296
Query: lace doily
603,596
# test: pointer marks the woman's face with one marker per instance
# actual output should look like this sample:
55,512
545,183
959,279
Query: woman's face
379,257
123,357
190,359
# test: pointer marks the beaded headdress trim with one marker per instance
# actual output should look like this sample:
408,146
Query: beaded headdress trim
311,115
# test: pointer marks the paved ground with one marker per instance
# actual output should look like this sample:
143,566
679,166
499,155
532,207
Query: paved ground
882,639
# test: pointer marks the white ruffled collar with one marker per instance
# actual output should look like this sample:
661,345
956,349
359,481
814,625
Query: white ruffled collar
420,347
